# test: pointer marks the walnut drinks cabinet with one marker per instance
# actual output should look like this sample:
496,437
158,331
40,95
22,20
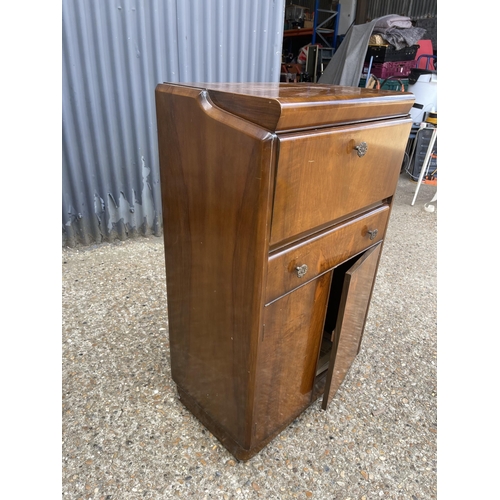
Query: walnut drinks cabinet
276,199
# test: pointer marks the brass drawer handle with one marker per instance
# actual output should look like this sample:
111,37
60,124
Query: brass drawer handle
301,271
373,233
361,148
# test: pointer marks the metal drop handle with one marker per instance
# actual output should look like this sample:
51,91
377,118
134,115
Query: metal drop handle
361,149
301,270
373,233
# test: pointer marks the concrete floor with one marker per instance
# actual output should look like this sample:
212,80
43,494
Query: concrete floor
127,436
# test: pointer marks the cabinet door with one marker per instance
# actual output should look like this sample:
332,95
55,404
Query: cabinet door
354,302
288,351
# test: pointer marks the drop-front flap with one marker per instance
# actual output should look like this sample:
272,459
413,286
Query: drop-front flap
291,106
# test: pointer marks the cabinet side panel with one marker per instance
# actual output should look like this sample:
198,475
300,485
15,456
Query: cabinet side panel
215,181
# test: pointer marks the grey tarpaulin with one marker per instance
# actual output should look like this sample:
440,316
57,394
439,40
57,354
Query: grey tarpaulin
346,64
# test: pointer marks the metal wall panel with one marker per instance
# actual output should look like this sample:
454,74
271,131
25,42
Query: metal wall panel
368,10
114,54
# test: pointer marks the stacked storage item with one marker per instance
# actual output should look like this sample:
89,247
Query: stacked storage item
392,83
392,48
389,62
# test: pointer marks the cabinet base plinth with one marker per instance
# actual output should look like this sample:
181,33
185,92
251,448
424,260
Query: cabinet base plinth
240,453
216,429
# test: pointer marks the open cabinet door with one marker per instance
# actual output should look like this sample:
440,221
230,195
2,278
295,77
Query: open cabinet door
354,302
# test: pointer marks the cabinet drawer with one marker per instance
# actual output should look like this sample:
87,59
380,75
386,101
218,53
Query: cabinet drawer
324,176
299,264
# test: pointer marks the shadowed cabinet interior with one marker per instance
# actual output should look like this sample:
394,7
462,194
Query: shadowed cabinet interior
276,199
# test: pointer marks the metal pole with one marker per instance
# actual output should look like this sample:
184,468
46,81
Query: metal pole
336,28
315,22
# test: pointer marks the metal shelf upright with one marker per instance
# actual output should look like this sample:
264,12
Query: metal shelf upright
319,28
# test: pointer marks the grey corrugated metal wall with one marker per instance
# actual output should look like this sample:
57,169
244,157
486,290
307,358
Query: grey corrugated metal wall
114,54
367,10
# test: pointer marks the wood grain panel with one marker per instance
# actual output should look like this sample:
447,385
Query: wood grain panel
323,252
216,175
321,178
288,354
291,106
354,303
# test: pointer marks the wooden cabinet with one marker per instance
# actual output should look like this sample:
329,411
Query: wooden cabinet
276,199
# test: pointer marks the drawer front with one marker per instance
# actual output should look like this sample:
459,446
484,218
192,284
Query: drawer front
297,265
324,176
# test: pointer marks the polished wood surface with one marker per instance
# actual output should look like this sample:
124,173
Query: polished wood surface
216,174
288,353
354,303
291,106
321,178
323,252
245,204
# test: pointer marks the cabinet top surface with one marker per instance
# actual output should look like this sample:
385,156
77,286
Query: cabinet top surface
288,106
299,92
